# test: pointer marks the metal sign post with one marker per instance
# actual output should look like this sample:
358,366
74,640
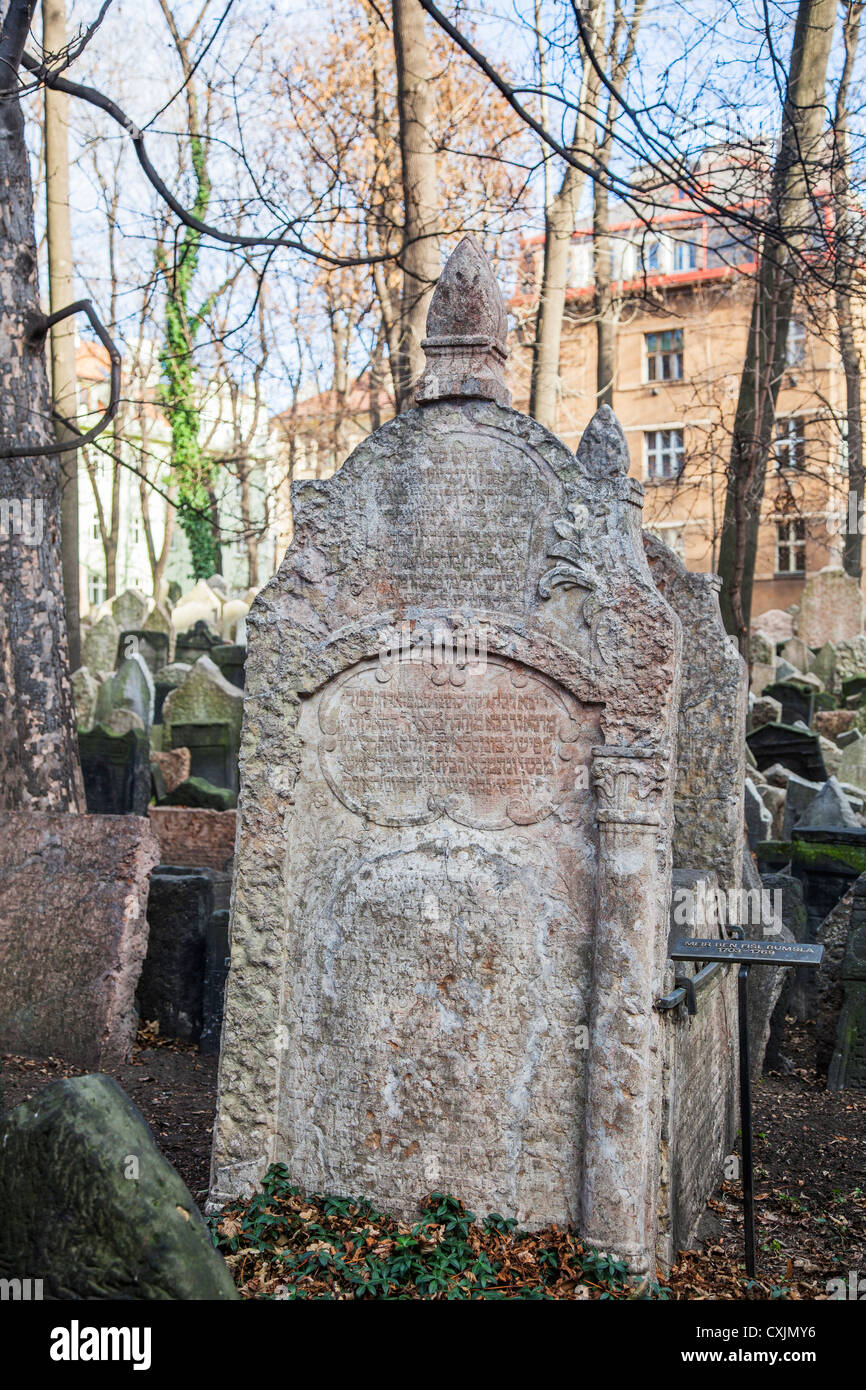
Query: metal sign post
736,951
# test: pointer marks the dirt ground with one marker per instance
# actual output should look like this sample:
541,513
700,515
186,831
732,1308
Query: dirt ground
810,1158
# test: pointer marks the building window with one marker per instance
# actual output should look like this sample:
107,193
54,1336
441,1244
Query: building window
664,355
686,255
97,534
790,547
96,590
795,347
665,453
790,446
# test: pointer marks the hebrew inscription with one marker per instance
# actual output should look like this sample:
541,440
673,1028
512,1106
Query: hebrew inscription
477,547
488,746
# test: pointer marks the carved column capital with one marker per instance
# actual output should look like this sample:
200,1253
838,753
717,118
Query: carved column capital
629,784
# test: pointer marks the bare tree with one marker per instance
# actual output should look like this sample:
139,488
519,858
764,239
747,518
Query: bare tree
38,746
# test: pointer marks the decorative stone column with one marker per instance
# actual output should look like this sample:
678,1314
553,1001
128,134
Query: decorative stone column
619,1187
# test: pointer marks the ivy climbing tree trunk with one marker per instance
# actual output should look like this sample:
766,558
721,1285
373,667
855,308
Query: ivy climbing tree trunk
193,470
39,767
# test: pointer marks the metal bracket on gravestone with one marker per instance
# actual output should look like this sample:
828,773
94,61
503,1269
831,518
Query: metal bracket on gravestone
735,950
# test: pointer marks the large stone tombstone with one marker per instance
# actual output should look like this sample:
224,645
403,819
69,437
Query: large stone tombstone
711,751
204,715
449,918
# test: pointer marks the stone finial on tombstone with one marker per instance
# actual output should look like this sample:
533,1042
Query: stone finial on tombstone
466,331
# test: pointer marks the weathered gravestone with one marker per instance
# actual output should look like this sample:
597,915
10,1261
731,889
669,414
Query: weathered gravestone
831,608
152,647
449,918
796,700
848,1067
198,641
131,687
796,749
73,933
99,645
204,715
116,771
171,988
711,754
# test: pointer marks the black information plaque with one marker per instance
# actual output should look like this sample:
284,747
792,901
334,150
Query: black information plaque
747,952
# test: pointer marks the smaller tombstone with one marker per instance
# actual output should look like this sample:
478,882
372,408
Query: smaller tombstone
73,933
784,670
848,1067
832,755
131,687
852,767
799,655
824,666
168,679
831,608
120,721
152,647
216,968
765,710
758,819
775,624
831,809
116,771
198,641
775,798
850,659
85,693
218,585
241,632
169,770
129,609
233,612
171,988
205,715
847,737
832,722
90,1225
799,795
798,750
826,862
853,689
99,648
231,660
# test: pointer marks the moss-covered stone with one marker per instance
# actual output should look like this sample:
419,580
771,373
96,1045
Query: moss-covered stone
93,1209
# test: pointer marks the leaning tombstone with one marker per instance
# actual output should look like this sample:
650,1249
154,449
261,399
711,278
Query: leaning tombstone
99,647
131,687
115,768
199,640
797,702
453,870
85,693
797,749
129,609
848,1067
152,646
204,715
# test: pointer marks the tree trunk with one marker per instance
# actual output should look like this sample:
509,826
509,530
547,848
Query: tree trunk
61,292
788,219
847,247
39,767
418,157
560,217
605,321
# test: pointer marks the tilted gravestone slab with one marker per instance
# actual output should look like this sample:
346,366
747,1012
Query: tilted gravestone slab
204,714
796,749
116,771
73,933
93,1208
711,761
99,646
797,702
848,1067
453,872
831,608
171,988
131,687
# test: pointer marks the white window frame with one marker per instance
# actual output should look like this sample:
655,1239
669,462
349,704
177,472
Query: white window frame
664,454
793,541
657,359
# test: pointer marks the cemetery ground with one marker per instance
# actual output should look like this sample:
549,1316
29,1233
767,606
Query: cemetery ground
810,1165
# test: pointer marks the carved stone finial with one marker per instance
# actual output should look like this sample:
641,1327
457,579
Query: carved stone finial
466,331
